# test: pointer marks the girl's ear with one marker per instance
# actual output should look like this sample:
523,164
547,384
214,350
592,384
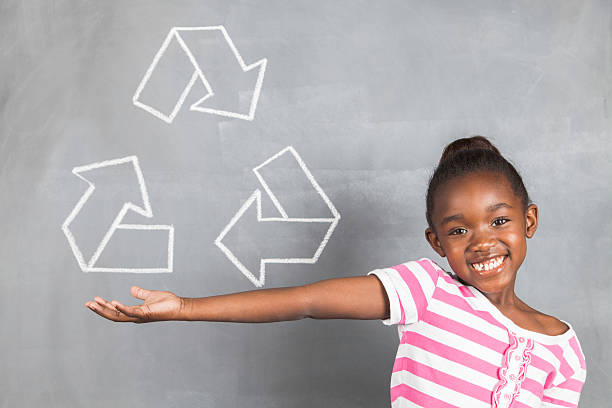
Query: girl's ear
531,220
433,240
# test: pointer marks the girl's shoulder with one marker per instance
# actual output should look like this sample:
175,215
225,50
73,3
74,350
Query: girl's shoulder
555,326
549,325
531,319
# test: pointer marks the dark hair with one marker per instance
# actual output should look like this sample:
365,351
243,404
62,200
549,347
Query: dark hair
468,155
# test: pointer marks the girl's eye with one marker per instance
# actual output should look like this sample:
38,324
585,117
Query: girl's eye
457,231
505,220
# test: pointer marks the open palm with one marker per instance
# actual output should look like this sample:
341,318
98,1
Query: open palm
158,305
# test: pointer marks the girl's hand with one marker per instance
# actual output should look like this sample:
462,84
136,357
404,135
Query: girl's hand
158,305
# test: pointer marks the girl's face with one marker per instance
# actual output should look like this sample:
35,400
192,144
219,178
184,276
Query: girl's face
481,228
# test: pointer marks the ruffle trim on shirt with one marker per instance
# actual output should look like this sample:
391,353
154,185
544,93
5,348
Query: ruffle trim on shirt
512,373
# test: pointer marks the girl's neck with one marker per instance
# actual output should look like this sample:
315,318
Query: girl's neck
505,299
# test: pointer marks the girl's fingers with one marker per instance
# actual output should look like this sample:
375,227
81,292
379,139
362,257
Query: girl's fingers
104,303
118,312
108,312
100,301
114,305
130,311
139,292
111,306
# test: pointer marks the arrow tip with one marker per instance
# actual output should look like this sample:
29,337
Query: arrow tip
224,104
234,236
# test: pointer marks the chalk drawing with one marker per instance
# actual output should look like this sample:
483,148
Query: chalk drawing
175,35
256,198
90,265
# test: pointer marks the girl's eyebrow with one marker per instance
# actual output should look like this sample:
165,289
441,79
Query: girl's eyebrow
460,216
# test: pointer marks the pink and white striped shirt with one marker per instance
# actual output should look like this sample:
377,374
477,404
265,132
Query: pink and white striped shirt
458,350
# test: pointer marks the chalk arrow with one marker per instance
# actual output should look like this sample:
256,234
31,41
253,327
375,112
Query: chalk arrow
198,47
143,208
300,230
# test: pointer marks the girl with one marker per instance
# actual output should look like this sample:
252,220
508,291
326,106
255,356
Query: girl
466,339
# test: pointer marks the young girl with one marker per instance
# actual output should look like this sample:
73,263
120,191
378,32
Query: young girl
466,339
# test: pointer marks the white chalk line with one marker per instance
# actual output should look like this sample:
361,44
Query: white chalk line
116,224
256,197
175,34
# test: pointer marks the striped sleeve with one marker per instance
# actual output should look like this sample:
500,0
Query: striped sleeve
409,287
567,392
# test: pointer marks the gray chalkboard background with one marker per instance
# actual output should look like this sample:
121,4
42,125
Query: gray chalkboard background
367,93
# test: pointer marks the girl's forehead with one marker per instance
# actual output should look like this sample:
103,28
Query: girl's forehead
475,191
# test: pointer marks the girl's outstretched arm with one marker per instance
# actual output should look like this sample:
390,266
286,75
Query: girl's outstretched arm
359,297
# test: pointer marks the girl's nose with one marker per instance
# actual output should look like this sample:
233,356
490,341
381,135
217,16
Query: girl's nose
482,241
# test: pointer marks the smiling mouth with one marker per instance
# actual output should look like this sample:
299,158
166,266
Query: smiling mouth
490,266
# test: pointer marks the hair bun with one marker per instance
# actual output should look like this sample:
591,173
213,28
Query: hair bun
467,143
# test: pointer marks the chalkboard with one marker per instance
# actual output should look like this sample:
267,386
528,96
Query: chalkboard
148,142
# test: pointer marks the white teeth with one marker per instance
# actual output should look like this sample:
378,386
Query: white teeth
491,264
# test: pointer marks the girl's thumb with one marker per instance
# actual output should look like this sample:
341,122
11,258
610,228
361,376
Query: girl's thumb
139,292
